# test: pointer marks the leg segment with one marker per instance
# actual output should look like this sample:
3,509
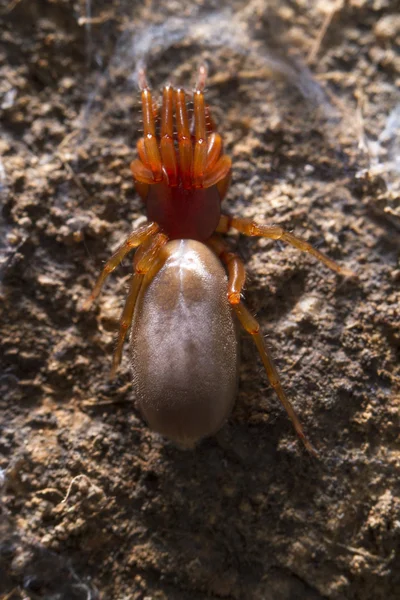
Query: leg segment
200,147
143,260
150,139
135,239
200,157
200,85
126,319
250,325
167,148
251,228
141,173
224,224
184,138
235,267
220,170
214,149
141,150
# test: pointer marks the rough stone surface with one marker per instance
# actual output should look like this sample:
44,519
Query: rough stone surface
93,504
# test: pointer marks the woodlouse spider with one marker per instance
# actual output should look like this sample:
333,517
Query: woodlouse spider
185,292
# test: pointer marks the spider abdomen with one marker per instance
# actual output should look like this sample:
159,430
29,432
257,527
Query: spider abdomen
184,346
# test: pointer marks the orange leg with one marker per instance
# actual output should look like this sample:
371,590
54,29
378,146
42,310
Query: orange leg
220,171
200,85
200,147
184,138
236,270
250,325
126,319
150,139
141,150
135,239
224,224
251,228
167,148
214,149
142,262
141,173
236,280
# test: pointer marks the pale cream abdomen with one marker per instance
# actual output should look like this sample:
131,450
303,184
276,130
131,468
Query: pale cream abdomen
183,344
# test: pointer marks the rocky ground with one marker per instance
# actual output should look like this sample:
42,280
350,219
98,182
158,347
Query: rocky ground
93,504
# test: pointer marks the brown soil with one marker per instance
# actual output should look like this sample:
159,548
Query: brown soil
94,505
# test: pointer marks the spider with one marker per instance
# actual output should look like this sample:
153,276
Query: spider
184,298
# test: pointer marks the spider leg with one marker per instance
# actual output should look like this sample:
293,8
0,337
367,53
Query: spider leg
184,138
251,325
235,267
167,148
200,133
136,238
224,224
141,173
200,85
251,228
143,260
141,150
149,135
214,142
221,175
214,149
220,171
126,318
236,280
